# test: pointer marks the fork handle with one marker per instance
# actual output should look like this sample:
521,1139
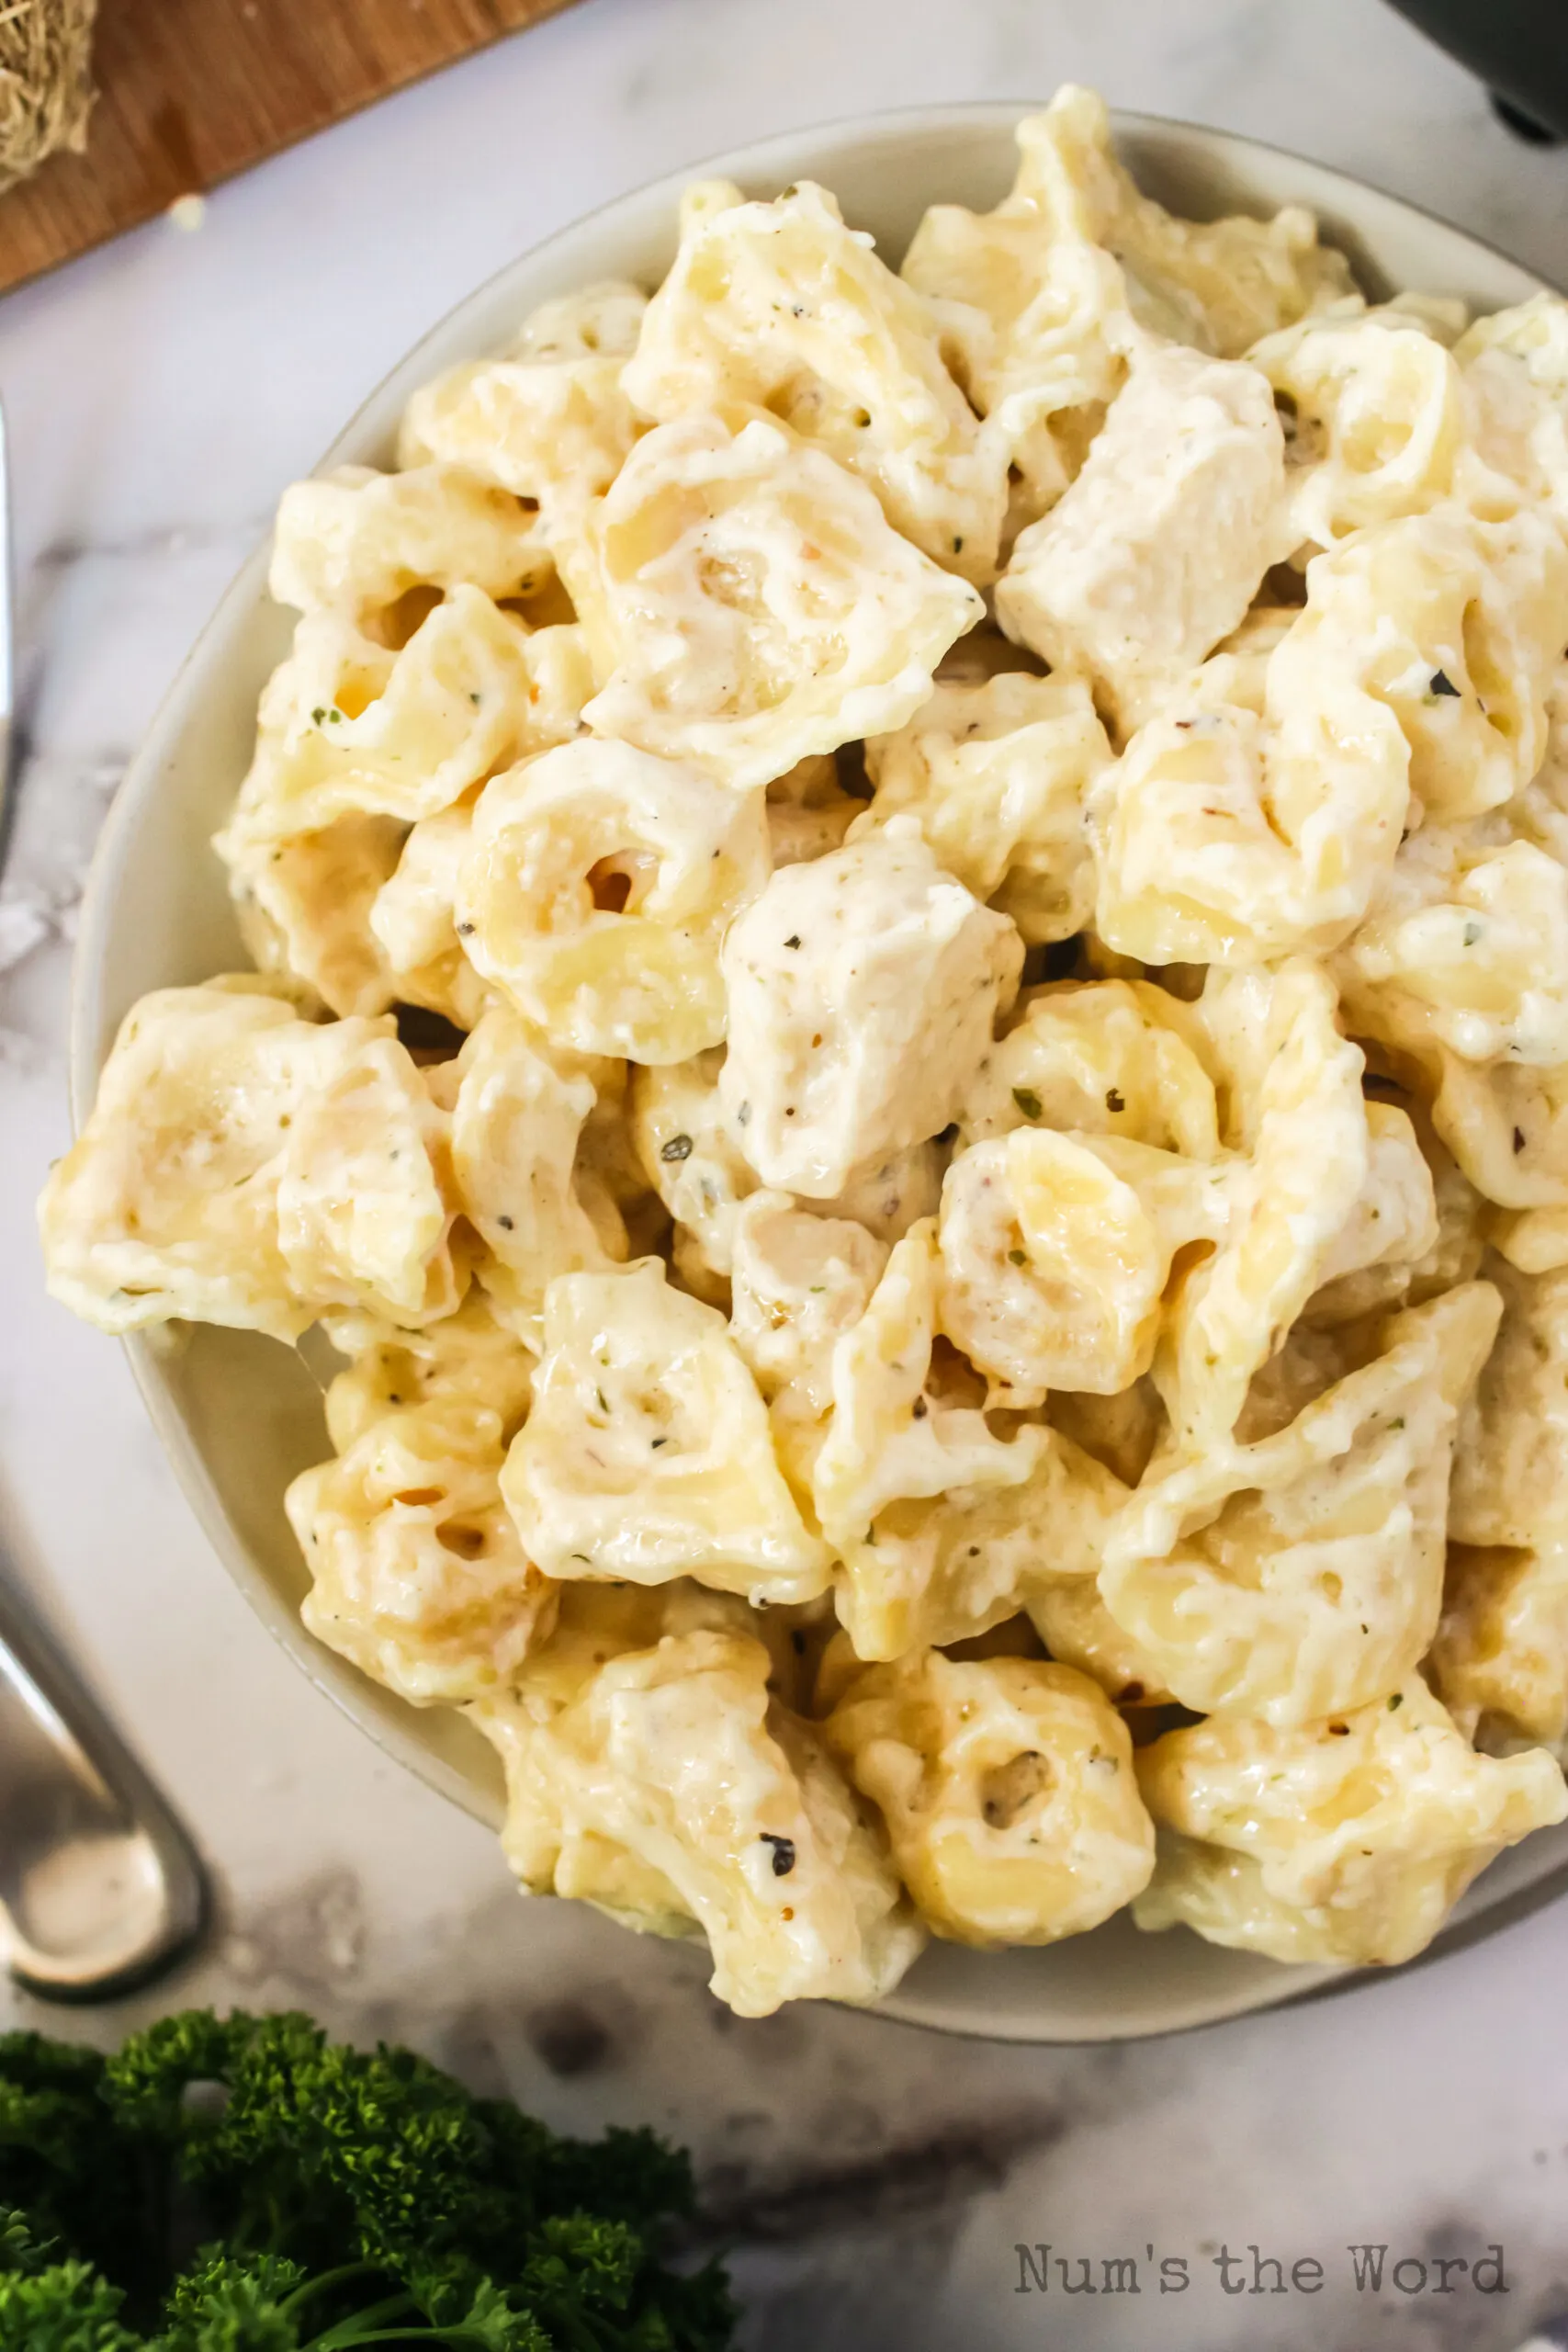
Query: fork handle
101,1888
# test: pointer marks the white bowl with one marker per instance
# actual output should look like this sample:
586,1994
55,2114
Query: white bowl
237,1413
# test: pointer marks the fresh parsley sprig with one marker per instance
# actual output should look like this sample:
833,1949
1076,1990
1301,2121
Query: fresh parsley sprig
242,2184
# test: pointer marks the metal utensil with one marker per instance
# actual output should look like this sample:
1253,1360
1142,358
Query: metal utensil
99,1885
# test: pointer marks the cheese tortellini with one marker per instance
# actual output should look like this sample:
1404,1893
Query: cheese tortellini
518,1117
417,1571
597,889
306,906
1341,1840
1303,1573
911,1034
943,1526
1077,271
748,605
247,1167
647,1456
362,541
781,307
348,725
1008,1789
998,773
649,1770
548,422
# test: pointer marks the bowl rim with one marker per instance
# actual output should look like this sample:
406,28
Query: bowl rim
1291,1985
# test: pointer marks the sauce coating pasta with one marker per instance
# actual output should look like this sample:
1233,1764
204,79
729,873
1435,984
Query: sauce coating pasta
983,837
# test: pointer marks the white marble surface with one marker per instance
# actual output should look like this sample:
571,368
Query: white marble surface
159,395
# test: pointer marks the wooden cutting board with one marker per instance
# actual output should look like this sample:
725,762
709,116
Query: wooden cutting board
192,90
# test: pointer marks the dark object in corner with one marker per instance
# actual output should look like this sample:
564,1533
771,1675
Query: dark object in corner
1519,48
1523,126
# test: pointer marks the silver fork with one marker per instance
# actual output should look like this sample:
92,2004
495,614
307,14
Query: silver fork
99,1885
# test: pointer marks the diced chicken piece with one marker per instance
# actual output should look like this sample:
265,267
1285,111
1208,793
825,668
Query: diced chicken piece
1156,550
864,989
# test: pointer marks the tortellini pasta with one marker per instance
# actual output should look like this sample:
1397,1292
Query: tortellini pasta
1414,680
649,1770
1466,951
1077,1630
1500,1660
646,1455
414,918
911,1038
1296,1113
1113,1057
690,1153
548,421
1510,1483
1461,976
1057,1250
306,905
347,726
997,772
1515,372
518,1115
417,1571
1008,1790
800,1283
1346,1840
468,1358
943,1524
1217,284
362,541
601,321
597,888
246,1167
750,605
1377,419
1070,273
1083,1256
781,307
889,1440
1303,1573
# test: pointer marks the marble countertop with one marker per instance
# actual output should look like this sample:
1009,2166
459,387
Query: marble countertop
877,2179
